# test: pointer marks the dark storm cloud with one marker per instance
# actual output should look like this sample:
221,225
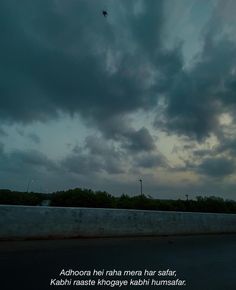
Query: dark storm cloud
30,161
64,56
34,137
133,140
20,131
82,164
217,167
151,161
216,162
203,153
1,149
199,95
96,156
227,145
60,56
2,132
111,158
138,140
146,27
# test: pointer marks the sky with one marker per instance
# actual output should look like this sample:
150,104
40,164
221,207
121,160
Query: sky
148,92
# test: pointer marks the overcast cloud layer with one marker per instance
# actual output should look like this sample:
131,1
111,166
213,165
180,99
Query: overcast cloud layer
151,89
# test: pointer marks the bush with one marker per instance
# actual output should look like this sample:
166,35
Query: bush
19,198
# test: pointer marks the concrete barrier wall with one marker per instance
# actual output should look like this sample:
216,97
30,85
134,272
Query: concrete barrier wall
30,222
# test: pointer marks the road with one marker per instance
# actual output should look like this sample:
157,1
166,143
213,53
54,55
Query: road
205,262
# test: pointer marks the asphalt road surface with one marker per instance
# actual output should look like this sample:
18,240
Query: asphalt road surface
201,262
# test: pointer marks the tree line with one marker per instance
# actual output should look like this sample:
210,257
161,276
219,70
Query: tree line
79,197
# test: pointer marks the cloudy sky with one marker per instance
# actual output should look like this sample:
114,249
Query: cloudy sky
148,92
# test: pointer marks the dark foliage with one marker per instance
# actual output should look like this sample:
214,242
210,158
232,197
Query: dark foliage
21,198
100,199
82,197
88,198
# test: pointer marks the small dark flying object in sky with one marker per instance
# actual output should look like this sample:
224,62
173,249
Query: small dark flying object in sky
104,13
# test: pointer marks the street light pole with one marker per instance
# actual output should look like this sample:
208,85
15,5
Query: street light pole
29,183
141,186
